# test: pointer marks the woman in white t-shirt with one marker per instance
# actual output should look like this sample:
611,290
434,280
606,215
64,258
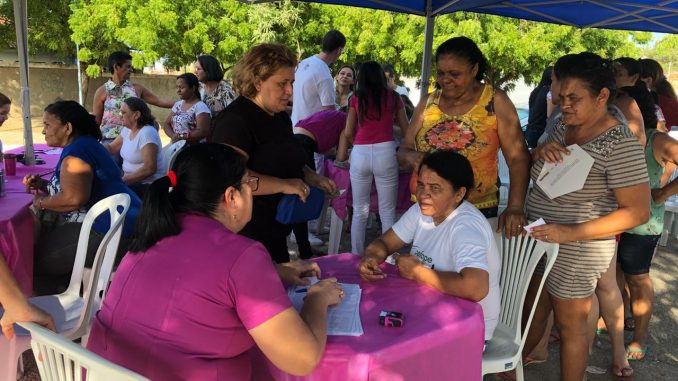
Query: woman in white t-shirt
139,146
453,246
190,117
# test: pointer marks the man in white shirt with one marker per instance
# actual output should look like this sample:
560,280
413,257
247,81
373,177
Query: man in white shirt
314,91
313,83
389,71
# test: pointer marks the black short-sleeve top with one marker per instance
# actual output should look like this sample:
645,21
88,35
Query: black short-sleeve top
267,139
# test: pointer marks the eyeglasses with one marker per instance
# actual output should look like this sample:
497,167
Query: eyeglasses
252,181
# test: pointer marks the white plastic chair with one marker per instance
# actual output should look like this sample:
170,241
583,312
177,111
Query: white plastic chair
519,258
169,153
503,173
73,313
59,359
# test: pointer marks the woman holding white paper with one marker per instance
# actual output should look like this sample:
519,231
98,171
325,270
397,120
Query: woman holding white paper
614,197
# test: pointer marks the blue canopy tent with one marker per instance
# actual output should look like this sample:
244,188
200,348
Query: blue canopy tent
639,15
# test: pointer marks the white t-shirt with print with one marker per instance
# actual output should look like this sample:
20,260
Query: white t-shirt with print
313,88
464,239
132,159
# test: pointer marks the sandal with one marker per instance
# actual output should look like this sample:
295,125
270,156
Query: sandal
625,373
601,331
635,354
532,360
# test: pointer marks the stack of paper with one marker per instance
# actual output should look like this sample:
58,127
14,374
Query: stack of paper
342,319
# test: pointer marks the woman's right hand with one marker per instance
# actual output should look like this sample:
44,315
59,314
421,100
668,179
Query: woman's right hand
298,187
34,182
328,291
551,152
369,268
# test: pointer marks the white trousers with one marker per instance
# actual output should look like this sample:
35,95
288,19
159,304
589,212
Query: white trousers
370,161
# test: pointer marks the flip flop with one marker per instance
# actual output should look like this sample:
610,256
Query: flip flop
635,351
531,360
625,373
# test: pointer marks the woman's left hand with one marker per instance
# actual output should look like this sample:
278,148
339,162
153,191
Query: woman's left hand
554,233
407,265
512,220
294,272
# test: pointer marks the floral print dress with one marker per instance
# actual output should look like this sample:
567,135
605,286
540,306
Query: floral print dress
473,135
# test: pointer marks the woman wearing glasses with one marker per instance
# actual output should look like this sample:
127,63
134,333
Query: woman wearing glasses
192,298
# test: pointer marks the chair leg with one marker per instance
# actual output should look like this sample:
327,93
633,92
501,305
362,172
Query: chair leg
519,371
323,215
11,359
336,228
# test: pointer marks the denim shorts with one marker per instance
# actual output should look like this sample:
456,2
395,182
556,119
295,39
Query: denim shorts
635,252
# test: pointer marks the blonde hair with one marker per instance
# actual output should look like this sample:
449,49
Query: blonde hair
260,62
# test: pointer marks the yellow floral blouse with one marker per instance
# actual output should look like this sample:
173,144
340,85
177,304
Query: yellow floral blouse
473,135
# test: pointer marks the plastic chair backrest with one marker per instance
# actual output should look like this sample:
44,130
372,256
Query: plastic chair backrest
117,207
519,258
502,169
59,359
169,153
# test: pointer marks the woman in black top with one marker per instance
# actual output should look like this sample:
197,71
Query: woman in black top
257,125
536,121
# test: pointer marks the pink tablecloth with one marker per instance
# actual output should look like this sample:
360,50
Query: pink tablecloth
343,180
16,221
442,338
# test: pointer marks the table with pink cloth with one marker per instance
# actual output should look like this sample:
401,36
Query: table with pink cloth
342,178
16,220
442,338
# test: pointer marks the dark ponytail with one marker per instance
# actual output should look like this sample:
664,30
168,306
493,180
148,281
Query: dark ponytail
192,81
203,173
81,120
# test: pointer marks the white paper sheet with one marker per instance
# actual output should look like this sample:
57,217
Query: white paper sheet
566,177
536,223
342,319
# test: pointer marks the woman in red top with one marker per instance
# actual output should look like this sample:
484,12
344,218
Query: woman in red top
369,126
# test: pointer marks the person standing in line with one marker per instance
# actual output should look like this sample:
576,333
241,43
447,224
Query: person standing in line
109,97
369,126
214,90
536,121
314,91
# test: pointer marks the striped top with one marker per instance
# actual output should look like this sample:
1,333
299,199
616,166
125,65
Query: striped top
618,163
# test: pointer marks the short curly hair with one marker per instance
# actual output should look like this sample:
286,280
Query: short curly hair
260,62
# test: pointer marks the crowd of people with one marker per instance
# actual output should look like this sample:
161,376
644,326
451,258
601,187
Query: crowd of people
203,261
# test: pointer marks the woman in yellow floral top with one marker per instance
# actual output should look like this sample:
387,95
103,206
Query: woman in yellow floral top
472,118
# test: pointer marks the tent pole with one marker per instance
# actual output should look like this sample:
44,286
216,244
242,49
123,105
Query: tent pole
21,21
77,62
428,46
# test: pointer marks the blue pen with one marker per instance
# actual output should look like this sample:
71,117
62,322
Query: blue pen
301,290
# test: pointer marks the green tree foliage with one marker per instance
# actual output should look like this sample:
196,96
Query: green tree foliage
665,51
176,31
46,26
